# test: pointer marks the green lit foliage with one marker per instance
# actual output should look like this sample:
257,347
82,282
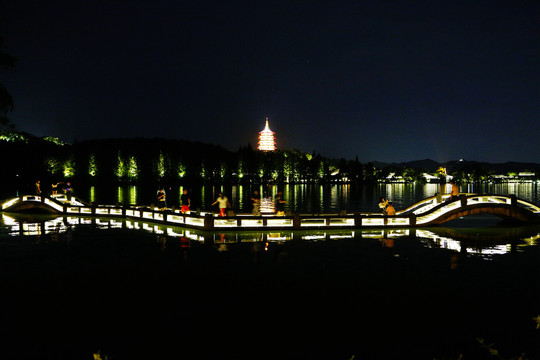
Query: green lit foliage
288,168
132,169
13,137
240,169
181,170
53,166
69,168
411,175
92,165
203,170
222,170
321,172
54,140
162,166
121,169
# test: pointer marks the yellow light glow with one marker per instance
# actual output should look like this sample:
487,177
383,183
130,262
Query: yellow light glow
267,139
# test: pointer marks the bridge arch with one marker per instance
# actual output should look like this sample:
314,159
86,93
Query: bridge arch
504,207
53,204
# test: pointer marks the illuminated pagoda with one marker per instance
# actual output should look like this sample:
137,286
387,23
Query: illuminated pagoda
267,139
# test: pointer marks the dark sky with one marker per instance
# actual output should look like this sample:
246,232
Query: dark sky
381,80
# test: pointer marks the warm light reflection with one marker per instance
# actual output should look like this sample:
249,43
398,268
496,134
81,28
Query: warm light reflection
62,224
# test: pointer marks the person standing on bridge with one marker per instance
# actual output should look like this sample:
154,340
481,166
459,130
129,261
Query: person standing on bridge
162,203
390,210
223,204
383,203
186,202
454,192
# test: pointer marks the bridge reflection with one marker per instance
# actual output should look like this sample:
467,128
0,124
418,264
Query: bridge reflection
482,242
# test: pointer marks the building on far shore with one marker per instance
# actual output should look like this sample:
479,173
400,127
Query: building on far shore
267,139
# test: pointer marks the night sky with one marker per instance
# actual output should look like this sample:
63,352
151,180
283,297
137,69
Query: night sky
382,80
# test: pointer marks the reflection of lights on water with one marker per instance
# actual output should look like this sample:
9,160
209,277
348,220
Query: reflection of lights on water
133,195
455,245
343,236
532,240
9,221
92,196
62,224
172,233
115,224
194,236
279,237
314,237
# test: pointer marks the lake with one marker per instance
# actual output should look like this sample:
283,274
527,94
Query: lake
73,286
300,197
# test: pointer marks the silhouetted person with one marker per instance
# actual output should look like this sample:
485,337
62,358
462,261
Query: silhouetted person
454,192
161,198
382,205
186,202
390,210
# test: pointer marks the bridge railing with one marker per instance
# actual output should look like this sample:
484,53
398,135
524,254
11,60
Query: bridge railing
432,215
531,207
418,214
503,199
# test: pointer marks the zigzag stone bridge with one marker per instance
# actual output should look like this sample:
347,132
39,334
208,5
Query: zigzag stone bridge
431,211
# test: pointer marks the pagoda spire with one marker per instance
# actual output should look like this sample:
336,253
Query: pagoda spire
267,139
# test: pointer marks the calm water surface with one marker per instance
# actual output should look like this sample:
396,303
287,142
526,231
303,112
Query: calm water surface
76,285
73,286
300,198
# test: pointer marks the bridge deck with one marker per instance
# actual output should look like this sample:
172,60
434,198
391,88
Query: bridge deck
428,212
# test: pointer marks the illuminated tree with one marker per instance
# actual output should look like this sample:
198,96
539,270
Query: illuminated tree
162,166
69,168
92,165
203,171
288,168
132,169
54,140
321,172
53,166
120,169
222,169
181,170
241,169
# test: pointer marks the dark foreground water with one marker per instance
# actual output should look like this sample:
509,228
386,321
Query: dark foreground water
134,290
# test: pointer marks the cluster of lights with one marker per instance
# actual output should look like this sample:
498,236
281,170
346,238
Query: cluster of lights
267,139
